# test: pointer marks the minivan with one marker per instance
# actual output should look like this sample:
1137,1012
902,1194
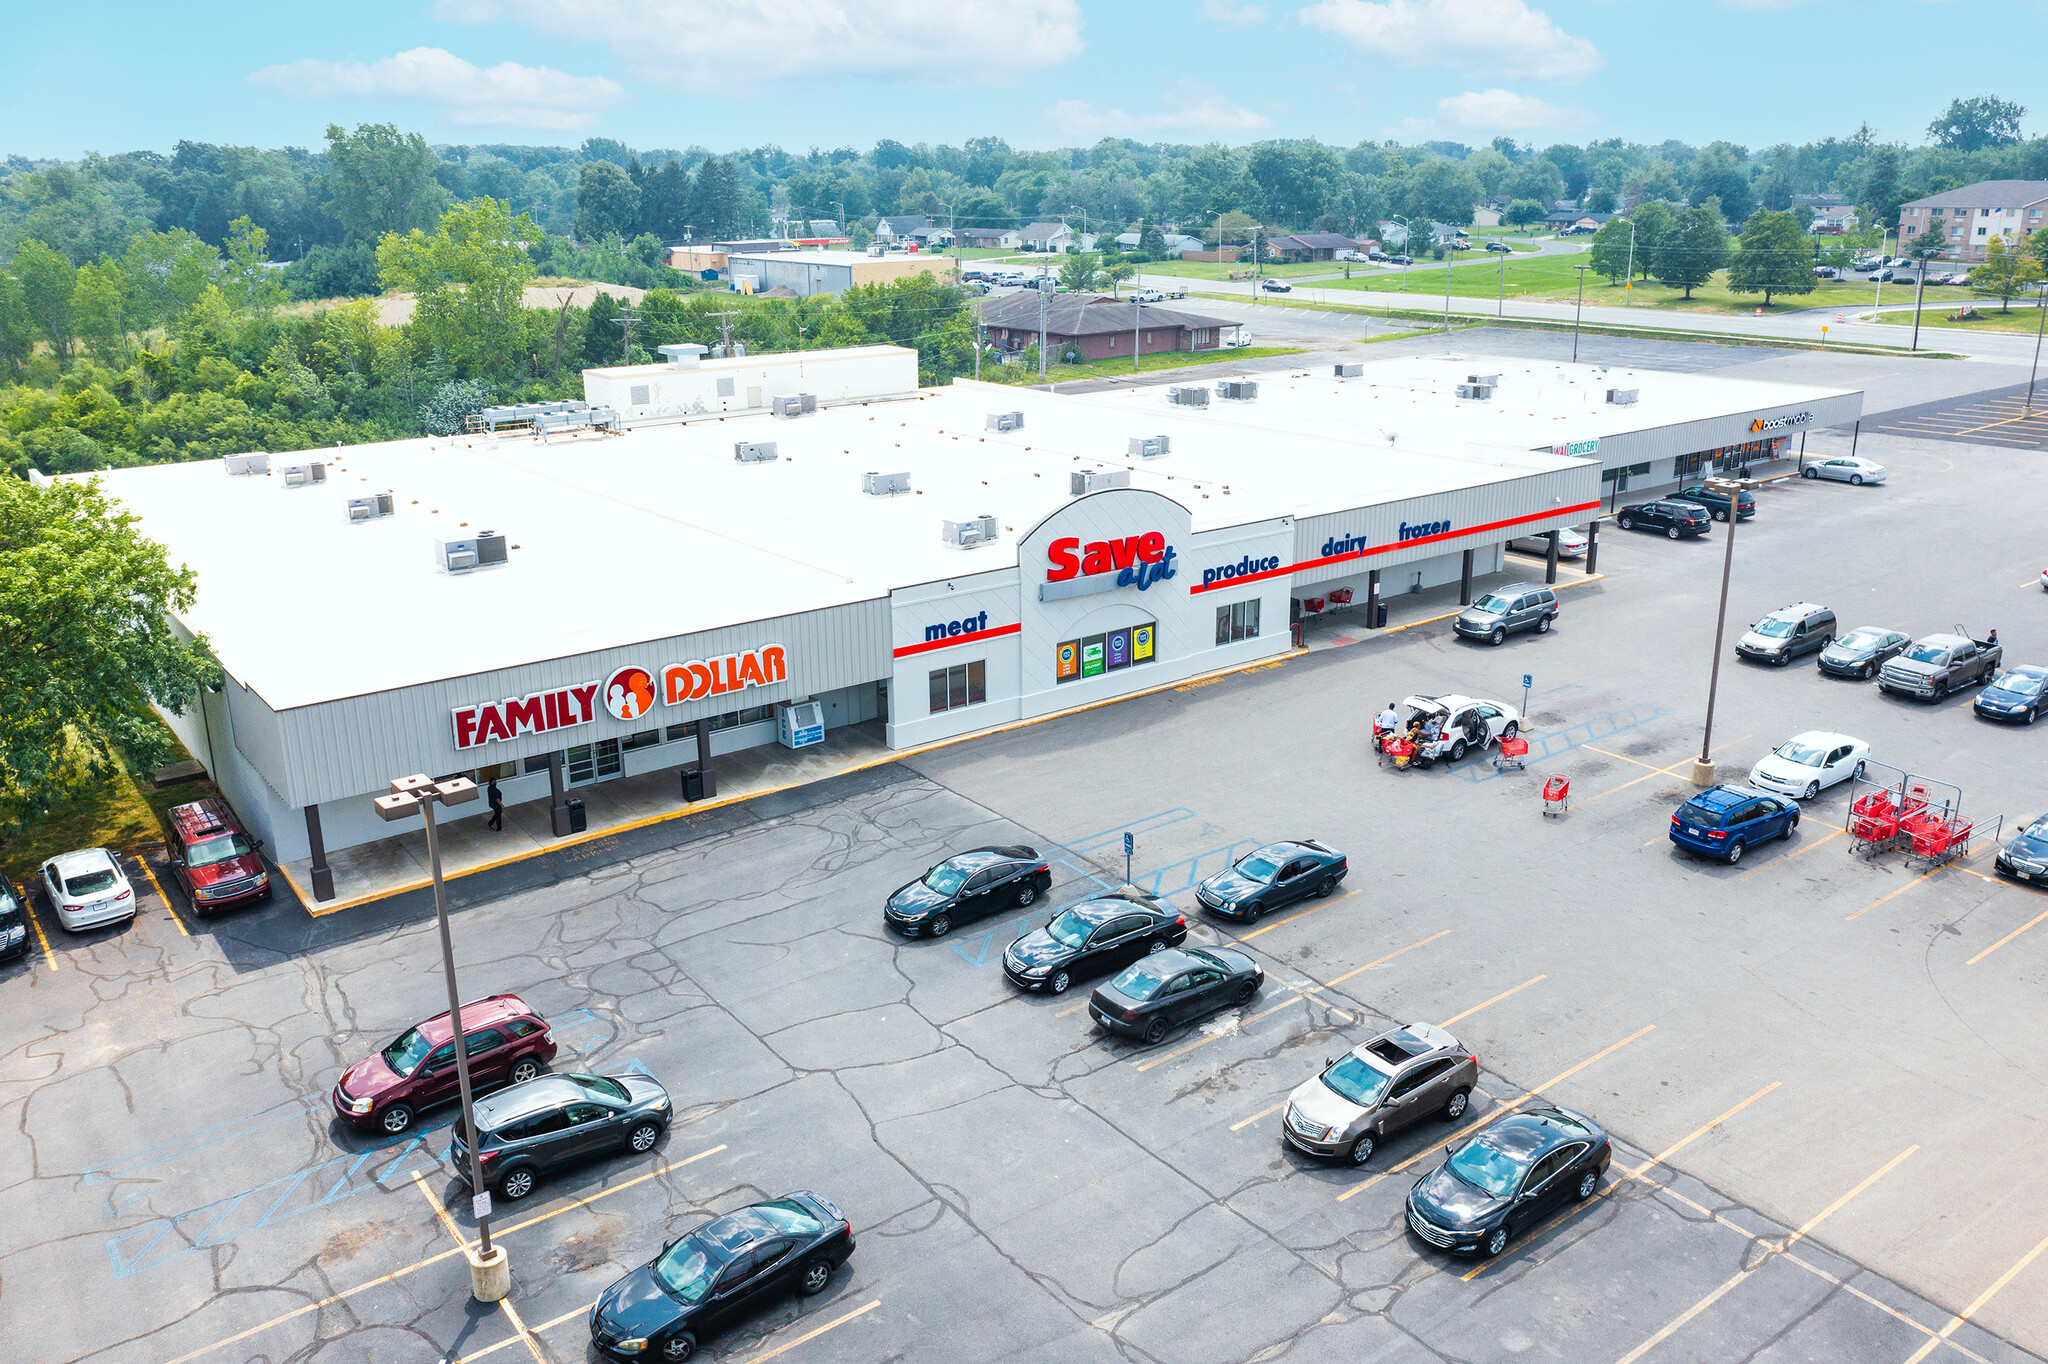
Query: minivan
1504,610
211,858
1786,633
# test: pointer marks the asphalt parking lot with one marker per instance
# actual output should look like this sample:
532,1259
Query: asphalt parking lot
1823,1072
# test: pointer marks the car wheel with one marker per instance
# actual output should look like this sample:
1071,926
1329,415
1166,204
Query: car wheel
516,1184
1869,671
1457,749
1812,790
1858,773
1511,731
678,1348
1941,690
1156,945
1245,994
1026,893
1791,826
1252,913
1543,624
942,925
396,1119
524,1069
1589,1184
1720,516
1323,891
1809,473
1855,480
1496,1241
1058,982
1155,1030
1498,637
1362,1149
643,1138
1735,851
816,1275
1626,524
1454,1107
1673,532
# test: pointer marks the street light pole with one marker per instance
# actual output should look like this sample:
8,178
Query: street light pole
1732,488
2039,328
1579,311
1628,281
1919,292
490,1276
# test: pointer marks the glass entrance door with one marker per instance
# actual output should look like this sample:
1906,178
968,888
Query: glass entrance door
592,762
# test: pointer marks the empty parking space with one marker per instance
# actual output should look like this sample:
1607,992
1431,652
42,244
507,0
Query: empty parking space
1999,419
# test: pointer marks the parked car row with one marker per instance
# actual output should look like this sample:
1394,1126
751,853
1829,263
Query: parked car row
1928,668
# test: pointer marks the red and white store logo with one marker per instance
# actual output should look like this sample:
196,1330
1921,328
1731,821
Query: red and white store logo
537,713
696,680
628,694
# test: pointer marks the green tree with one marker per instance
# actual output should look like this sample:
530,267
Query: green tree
1114,275
1611,249
607,202
17,327
165,273
97,311
1719,174
1771,258
602,338
1081,272
1599,199
47,281
247,281
1653,222
1151,240
381,180
468,280
1971,125
1443,191
1525,213
1694,249
1536,179
83,603
715,201
1880,197
2006,271
1927,246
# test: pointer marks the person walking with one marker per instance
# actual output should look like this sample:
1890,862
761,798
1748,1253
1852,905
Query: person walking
497,800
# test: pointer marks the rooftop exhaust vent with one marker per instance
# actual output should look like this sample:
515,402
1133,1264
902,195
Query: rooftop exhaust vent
369,508
884,485
1483,380
1006,421
485,549
1351,371
1150,447
979,530
304,475
1624,397
1188,397
1238,390
246,464
683,355
1081,482
753,451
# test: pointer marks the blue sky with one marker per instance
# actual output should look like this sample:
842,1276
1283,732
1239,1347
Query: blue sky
733,73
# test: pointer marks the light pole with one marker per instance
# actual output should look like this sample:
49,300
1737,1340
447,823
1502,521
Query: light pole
1878,273
1447,283
490,1277
1919,292
2040,328
1579,311
1256,227
1407,246
1732,489
1502,309
1628,280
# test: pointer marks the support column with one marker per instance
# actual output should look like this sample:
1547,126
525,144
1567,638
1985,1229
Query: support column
558,796
1465,581
1592,546
323,877
1855,436
1550,559
1372,600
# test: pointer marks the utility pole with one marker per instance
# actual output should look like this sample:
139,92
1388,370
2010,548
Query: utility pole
1137,312
1219,248
627,319
1628,281
1580,310
725,327
1043,280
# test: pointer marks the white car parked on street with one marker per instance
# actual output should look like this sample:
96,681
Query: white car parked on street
1806,764
1847,469
88,889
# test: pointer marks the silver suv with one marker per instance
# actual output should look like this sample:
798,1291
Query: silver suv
1382,1086
1504,610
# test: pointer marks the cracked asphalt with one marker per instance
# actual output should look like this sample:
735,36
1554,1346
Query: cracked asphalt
1823,1072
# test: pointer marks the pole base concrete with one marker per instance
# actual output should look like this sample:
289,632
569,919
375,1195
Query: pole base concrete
1702,772
490,1276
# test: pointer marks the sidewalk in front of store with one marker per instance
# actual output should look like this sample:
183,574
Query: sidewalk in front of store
1346,625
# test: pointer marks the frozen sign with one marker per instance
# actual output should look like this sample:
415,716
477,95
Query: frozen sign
537,713
696,680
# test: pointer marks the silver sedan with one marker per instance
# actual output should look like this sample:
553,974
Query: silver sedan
1847,469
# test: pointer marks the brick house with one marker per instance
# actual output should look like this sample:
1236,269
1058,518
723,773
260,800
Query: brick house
1310,246
1968,218
1097,326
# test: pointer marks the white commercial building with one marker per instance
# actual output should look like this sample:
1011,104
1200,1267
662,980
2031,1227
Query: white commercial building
940,563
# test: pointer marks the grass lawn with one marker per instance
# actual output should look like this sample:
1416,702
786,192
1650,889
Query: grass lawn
119,811
2025,318
1110,369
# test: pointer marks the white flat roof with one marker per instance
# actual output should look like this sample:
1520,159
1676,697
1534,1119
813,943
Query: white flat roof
832,257
660,532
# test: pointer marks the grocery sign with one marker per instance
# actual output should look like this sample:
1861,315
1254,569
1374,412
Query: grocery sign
1105,565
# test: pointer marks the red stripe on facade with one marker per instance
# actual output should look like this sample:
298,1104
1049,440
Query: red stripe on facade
949,641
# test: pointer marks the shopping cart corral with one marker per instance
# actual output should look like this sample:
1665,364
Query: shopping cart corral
1894,809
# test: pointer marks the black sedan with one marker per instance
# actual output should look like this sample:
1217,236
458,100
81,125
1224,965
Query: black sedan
2026,855
723,1271
1158,991
526,1130
2016,694
1862,651
1676,519
13,921
1100,934
1507,1179
965,887
1277,874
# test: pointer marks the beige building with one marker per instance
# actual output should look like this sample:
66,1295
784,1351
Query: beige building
830,272
1968,218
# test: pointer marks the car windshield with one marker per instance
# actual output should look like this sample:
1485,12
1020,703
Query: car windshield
1492,605
1801,752
685,1269
1070,929
603,1087
2038,829
947,877
1693,814
1774,629
1260,866
404,1055
1927,653
1486,1169
222,849
90,882
789,1217
1142,979
1861,639
1357,1080
2020,683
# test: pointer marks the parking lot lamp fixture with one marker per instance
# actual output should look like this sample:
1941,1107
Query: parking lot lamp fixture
1732,489
1579,311
2040,328
490,1276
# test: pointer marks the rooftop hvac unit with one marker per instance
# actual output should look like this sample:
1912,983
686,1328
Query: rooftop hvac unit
1006,421
1188,397
1084,481
980,530
786,405
304,475
369,508
753,451
246,464
1238,390
1351,371
1483,380
1624,397
884,485
683,355
807,402
1481,392
485,549
1150,447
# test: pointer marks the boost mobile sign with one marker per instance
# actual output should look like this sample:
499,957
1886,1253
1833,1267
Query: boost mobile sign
1780,423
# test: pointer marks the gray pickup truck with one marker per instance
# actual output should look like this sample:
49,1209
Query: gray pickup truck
1936,665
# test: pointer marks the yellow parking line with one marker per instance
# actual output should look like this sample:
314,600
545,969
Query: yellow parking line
1360,970
1278,923
812,1335
1500,1111
1737,1278
439,1210
1076,1009
1656,772
1624,757
1900,891
1240,1126
518,1326
1986,1296
1455,1018
2007,938
169,908
48,956
532,1345
1205,1041
1801,852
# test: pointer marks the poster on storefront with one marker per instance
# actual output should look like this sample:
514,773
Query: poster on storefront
1068,666
1141,643
1091,656
1120,649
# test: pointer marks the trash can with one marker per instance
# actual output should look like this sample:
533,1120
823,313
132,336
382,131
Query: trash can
1380,620
578,822
699,783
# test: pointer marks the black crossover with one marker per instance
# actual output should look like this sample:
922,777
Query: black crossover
1676,519
978,882
1102,933
1507,1178
531,1128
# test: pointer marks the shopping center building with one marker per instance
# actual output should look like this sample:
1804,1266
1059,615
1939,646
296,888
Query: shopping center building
916,565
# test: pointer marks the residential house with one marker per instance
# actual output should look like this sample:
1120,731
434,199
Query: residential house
1179,243
990,237
1565,221
1310,246
1492,213
1968,218
1096,326
1394,234
901,227
1046,237
1833,214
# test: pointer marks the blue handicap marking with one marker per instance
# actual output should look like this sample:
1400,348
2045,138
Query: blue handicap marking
980,956
1130,843
1527,681
1551,743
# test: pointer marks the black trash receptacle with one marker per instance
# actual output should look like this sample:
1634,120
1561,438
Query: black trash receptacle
1380,623
693,783
578,821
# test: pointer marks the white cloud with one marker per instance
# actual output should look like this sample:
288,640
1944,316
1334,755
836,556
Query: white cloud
1235,16
1499,111
1481,37
468,96
739,45
1189,108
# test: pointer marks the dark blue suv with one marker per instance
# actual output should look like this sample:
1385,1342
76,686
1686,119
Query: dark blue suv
1726,821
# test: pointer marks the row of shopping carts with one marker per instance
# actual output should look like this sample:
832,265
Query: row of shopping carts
1893,810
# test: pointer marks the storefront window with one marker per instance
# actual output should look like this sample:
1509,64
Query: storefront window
1098,654
646,738
963,684
1239,620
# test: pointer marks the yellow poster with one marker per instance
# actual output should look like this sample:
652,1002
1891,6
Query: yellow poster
1141,643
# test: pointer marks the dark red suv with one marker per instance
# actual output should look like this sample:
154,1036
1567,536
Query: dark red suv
508,1044
211,858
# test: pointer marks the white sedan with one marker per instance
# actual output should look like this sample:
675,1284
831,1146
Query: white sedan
1570,544
1806,764
88,889
1848,469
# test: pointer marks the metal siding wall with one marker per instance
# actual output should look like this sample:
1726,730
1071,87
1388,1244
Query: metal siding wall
259,734
1531,495
1689,438
344,748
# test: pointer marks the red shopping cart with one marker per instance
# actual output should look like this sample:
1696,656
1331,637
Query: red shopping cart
1557,795
1514,749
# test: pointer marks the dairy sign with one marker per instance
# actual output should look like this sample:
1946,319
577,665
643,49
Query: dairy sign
628,694
1079,569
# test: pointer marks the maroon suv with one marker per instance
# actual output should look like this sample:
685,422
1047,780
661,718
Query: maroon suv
508,1044
211,858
